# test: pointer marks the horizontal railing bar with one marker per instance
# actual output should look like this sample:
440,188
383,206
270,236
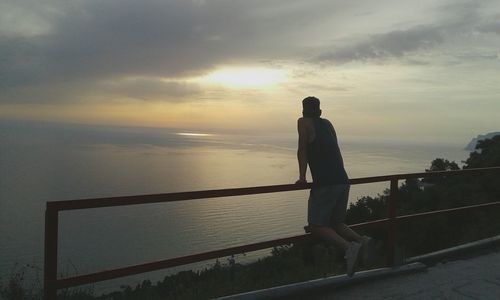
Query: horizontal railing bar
173,262
181,196
445,211
172,197
183,260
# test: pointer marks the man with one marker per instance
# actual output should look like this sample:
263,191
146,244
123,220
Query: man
329,194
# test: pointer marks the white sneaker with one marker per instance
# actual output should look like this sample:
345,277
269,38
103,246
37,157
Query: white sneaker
351,257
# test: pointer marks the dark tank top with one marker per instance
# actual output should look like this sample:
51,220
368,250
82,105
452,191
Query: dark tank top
323,156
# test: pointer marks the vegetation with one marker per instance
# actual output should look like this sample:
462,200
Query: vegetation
17,288
299,262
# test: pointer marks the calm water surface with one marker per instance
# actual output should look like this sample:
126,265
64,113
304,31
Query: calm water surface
46,162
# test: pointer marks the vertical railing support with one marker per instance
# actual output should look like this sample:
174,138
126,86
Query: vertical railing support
392,228
50,264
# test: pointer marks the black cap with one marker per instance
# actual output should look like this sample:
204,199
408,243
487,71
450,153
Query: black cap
310,107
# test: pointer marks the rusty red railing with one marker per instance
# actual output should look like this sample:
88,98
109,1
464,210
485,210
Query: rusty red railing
52,283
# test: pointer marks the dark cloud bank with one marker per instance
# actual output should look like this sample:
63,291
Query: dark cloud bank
122,47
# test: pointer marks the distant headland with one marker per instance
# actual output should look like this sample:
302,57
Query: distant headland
472,144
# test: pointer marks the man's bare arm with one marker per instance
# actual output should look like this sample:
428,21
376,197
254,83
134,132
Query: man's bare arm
302,150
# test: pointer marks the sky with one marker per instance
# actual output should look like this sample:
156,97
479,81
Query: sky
396,70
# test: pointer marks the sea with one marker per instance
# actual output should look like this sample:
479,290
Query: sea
42,161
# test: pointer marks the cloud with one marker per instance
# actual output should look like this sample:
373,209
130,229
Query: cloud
87,42
20,62
141,88
149,89
392,44
163,38
58,50
492,27
456,21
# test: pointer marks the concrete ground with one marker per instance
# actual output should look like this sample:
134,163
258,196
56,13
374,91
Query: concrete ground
470,278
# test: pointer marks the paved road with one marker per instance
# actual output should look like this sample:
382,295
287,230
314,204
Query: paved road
473,278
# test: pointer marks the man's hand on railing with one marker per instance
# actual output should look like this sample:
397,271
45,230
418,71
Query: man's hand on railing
301,181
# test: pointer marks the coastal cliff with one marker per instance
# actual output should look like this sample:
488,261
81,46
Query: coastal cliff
472,144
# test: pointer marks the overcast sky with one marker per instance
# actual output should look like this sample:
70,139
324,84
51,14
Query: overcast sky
422,70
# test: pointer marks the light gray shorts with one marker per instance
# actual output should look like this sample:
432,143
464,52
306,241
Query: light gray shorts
327,205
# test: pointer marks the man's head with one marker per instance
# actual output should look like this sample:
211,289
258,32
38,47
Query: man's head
310,107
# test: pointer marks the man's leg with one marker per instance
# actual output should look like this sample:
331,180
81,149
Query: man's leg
347,233
351,235
351,249
321,205
329,235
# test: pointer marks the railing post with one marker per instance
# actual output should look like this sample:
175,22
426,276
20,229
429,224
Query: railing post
50,264
392,228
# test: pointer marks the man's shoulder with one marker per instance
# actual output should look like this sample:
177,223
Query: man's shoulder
327,121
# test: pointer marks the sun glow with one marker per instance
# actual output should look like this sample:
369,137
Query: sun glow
246,77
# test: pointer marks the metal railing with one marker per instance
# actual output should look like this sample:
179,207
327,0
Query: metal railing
52,283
